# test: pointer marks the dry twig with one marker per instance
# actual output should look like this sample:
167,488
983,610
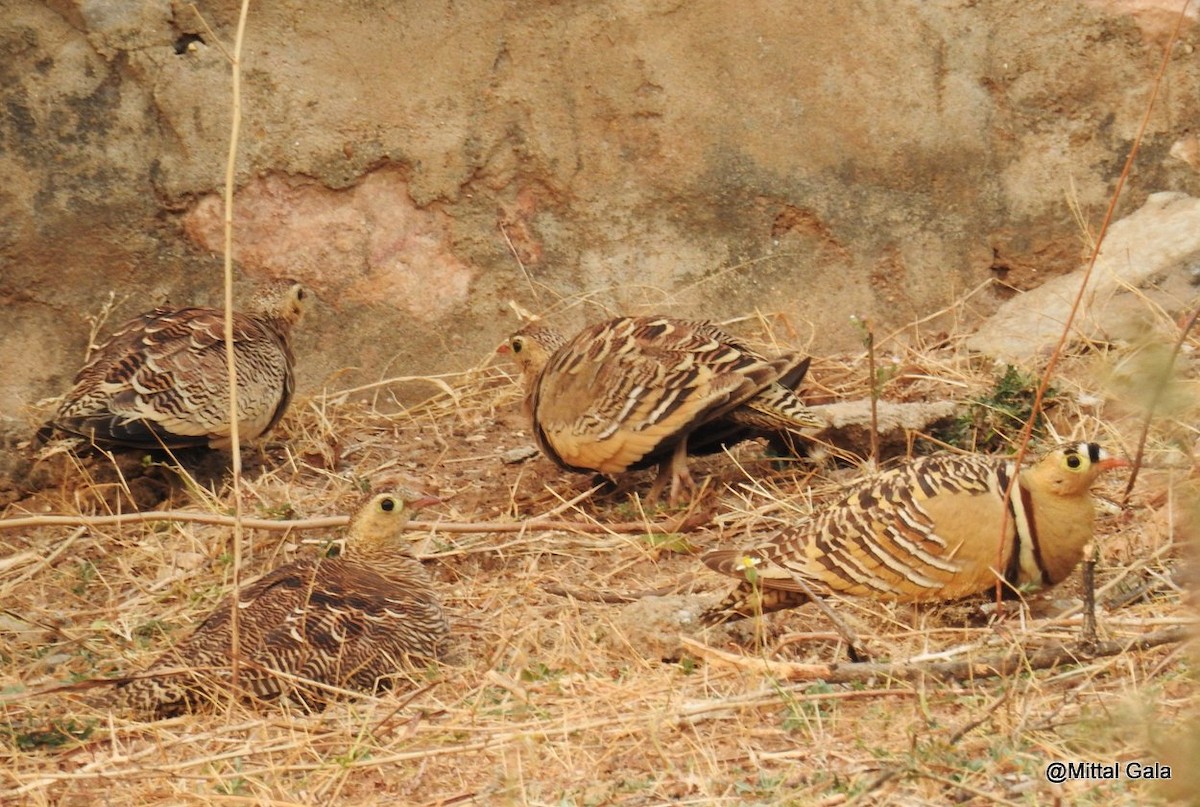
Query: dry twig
1047,657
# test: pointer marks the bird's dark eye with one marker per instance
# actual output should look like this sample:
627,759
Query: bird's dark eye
301,294
517,344
387,505
1073,461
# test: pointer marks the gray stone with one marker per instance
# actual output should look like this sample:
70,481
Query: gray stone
1148,260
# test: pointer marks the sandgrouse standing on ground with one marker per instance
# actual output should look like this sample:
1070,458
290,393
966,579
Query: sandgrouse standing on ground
929,530
632,392
352,622
161,381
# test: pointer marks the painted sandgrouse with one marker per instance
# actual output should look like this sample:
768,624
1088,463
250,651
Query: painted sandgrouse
351,622
160,381
929,530
632,392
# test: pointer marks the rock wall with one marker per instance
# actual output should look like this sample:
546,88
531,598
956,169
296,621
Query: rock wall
420,164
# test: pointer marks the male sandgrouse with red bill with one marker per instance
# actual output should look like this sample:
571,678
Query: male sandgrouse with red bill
933,529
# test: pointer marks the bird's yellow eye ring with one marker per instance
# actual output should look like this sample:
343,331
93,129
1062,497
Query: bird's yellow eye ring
387,505
1074,461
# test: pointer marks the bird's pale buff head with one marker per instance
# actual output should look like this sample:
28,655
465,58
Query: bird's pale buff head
531,348
285,300
1070,470
379,521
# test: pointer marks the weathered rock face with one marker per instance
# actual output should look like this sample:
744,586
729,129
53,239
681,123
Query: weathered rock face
1150,261
419,164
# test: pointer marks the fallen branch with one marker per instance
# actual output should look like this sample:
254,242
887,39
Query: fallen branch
1012,662
688,523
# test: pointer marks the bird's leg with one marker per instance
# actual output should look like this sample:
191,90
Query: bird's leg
660,482
677,471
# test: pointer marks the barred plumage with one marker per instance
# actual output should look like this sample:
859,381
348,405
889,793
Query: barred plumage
632,392
929,530
352,622
161,379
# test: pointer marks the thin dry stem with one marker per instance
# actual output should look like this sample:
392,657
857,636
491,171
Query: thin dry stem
235,445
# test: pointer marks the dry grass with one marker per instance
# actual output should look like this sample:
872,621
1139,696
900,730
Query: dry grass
560,691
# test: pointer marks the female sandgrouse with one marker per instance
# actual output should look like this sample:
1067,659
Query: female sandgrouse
351,622
161,381
928,530
632,392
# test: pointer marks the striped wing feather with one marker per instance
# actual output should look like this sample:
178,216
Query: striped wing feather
265,603
621,394
161,380
356,630
331,621
776,411
936,528
901,535
929,530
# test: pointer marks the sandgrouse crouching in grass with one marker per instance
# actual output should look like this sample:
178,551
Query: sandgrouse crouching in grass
929,530
161,381
632,392
353,622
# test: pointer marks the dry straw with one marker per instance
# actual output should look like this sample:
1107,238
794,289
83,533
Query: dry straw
558,691
570,683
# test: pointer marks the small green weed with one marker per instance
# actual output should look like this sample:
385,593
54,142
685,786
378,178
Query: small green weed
539,672
992,421
54,735
670,542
